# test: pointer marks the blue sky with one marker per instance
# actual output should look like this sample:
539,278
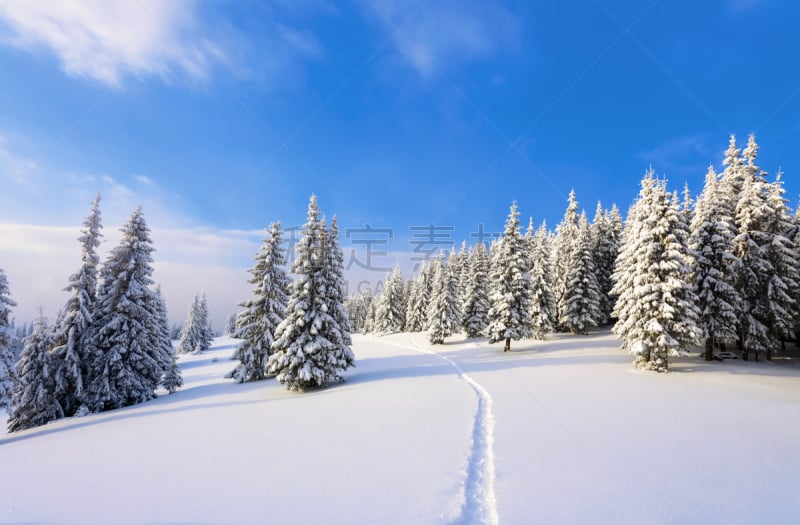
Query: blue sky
220,117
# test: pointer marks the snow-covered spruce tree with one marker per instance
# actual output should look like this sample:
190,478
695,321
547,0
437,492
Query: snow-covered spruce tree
455,274
124,367
196,334
542,301
337,292
460,264
732,177
391,310
582,293
34,402
417,309
230,326
605,247
190,333
309,349
69,355
656,304
171,378
357,308
766,276
475,317
714,265
782,288
566,231
442,312
204,320
7,339
261,315
510,292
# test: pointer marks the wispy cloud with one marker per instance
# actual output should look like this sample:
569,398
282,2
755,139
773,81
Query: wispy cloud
685,156
445,34
108,40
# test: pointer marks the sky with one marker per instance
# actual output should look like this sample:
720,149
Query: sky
418,119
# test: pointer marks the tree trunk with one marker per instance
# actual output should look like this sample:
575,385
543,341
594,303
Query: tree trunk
709,349
507,348
745,354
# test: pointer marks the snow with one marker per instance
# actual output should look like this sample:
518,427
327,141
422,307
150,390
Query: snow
558,431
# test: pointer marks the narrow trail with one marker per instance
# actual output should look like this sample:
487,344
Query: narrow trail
480,502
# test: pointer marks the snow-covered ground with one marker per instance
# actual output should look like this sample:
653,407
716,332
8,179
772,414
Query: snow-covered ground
560,431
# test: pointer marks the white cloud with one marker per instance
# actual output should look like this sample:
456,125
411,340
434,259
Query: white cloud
107,40
438,35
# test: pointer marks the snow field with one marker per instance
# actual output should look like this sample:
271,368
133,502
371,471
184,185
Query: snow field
573,433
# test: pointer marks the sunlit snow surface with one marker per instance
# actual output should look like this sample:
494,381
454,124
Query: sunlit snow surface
559,431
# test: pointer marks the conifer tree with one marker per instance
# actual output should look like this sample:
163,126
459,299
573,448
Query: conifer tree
309,349
418,301
581,292
391,309
357,308
442,313
656,304
171,378
542,302
509,315
196,334
7,340
715,266
34,402
782,287
262,314
204,322
337,292
69,355
605,247
566,231
190,333
124,367
475,317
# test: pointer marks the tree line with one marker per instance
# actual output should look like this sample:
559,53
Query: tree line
721,269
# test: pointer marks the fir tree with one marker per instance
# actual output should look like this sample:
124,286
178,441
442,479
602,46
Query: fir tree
124,367
309,349
171,378
261,315
566,232
230,325
196,333
442,313
7,340
391,309
656,304
418,301
204,323
715,266
70,357
337,292
475,317
357,308
783,283
542,301
509,315
34,402
581,292
605,247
